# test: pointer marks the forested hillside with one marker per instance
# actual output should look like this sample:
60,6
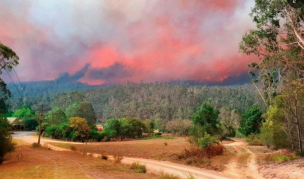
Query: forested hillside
149,101
34,89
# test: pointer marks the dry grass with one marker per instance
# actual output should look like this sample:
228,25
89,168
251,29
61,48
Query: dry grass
153,148
203,153
163,175
43,163
281,156
118,159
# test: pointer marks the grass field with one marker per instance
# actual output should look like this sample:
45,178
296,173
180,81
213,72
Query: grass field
158,149
44,163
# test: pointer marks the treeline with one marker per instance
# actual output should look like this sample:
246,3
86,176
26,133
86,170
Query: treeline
148,101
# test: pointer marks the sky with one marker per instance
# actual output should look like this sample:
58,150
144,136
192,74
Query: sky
107,41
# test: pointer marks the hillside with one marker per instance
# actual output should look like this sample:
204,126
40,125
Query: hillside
146,101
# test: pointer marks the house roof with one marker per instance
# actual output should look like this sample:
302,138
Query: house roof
14,121
11,119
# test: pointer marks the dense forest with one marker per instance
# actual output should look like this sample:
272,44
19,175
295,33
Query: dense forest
147,101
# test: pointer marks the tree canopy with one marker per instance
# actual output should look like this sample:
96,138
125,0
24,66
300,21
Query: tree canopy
84,110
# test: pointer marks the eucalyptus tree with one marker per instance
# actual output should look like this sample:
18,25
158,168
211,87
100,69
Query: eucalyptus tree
278,43
8,60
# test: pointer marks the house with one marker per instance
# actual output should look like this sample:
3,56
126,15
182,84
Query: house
16,123
99,127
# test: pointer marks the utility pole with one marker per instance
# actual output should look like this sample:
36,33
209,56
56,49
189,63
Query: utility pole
40,120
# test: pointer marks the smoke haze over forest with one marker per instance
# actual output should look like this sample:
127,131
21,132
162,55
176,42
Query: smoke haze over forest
105,41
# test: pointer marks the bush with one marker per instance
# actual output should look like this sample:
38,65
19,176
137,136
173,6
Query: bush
163,175
253,139
159,134
36,145
207,141
281,156
94,134
190,176
108,134
209,152
239,135
81,129
73,148
165,143
179,127
104,157
54,131
6,144
118,159
138,168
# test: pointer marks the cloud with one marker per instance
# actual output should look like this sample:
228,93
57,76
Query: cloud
151,40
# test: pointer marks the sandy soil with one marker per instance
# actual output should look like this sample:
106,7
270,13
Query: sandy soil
244,164
287,170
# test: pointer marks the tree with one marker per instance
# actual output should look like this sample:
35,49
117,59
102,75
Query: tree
229,120
83,110
273,131
252,121
56,116
206,116
6,143
179,127
131,128
28,116
293,102
80,127
8,59
278,42
111,126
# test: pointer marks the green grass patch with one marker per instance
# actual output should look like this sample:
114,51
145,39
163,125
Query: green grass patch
138,168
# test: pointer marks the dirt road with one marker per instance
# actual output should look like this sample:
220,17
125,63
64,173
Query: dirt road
250,170
244,165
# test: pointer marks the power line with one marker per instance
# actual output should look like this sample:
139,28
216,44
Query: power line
14,84
19,80
22,86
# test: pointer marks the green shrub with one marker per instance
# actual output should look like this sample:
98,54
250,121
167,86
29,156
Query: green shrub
158,134
253,139
138,168
94,134
207,141
239,135
54,131
108,134
165,143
